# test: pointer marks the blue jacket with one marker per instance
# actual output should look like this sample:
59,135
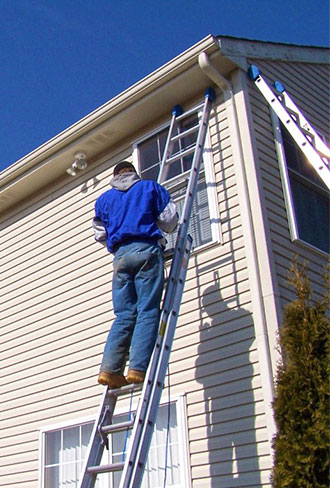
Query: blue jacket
133,209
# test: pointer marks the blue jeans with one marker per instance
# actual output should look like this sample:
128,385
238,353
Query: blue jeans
136,292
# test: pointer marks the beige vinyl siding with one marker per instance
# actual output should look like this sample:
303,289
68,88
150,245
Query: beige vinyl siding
55,307
308,85
56,310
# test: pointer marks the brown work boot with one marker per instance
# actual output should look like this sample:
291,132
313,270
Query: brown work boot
113,380
134,376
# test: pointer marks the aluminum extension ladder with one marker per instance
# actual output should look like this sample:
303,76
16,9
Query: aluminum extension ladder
305,136
146,414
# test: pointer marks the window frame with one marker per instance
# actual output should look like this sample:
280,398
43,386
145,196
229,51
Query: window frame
52,428
182,434
286,185
210,180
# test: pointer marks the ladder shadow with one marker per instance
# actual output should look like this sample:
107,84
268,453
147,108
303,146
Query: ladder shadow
227,375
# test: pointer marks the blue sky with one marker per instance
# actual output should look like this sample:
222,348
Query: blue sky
62,59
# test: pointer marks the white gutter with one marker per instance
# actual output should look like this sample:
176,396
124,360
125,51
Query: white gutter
260,323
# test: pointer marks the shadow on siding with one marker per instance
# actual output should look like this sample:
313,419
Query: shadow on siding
225,370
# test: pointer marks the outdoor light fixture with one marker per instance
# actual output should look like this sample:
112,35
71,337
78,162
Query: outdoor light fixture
79,163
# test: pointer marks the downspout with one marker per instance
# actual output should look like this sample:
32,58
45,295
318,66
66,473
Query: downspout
260,323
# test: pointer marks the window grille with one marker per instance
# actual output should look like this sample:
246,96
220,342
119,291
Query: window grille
203,226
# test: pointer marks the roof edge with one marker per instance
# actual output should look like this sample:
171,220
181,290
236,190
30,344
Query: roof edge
238,50
110,108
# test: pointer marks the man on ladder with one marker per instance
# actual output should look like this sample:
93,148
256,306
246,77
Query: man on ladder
130,217
160,212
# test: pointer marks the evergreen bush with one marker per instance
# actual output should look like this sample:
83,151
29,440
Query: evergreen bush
301,403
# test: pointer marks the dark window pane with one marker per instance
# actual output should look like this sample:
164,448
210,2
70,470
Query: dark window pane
150,155
86,430
53,447
310,196
312,215
52,478
297,161
151,173
174,169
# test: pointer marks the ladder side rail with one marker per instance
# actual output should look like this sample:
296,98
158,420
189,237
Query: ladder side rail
191,190
150,375
290,124
96,446
289,103
174,276
153,404
196,163
148,407
179,254
168,145
177,116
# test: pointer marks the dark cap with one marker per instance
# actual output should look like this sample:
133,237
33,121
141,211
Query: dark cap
123,164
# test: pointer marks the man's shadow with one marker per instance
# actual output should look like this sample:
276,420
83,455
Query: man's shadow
225,368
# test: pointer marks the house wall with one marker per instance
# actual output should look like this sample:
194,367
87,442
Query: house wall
56,310
308,84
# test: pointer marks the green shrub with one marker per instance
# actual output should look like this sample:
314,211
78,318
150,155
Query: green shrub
301,404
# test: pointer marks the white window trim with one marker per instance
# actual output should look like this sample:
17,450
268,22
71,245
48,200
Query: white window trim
285,178
182,432
209,179
211,191
48,428
289,204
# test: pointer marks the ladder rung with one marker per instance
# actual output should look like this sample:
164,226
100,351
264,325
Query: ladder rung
290,110
307,133
185,133
180,155
106,468
107,429
189,112
296,119
125,389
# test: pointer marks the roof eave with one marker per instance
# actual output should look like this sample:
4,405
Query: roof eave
144,102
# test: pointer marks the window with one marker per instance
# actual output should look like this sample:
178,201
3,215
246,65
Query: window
155,467
204,222
64,453
307,197
64,450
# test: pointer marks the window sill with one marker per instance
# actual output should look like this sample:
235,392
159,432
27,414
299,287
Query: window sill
197,250
307,246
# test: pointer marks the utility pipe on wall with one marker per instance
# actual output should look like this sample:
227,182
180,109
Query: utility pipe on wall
260,324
